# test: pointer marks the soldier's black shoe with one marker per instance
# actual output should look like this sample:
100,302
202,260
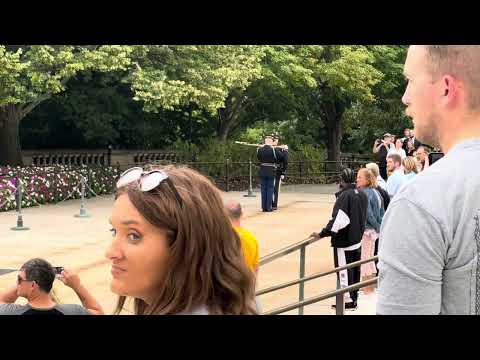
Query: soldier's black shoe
274,208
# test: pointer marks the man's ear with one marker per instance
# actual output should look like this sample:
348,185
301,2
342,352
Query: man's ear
450,89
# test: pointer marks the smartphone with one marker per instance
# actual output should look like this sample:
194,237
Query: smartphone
58,269
434,156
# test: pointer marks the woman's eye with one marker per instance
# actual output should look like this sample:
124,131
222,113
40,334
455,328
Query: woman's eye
114,232
134,237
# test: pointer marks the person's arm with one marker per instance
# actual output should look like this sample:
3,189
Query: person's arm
411,261
340,218
88,301
427,163
9,296
376,147
285,162
392,186
371,220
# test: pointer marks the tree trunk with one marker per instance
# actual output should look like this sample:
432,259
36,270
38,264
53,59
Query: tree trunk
333,111
334,128
222,131
10,151
228,116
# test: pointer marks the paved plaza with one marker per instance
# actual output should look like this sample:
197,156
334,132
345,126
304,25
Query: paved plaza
80,243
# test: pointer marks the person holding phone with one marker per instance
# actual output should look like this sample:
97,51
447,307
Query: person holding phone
381,147
422,156
34,283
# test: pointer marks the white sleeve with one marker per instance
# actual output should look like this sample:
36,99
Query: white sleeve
341,221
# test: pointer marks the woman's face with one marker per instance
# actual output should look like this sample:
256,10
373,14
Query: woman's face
138,252
361,180
398,144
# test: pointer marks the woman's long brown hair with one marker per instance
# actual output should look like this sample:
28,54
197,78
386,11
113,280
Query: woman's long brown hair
206,265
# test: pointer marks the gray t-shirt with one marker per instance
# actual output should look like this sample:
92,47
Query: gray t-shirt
65,309
430,240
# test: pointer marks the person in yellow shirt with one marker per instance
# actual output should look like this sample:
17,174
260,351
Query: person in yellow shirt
248,240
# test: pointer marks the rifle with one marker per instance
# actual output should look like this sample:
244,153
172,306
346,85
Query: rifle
260,145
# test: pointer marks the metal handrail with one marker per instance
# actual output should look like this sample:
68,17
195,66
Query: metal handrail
301,245
336,293
314,276
286,250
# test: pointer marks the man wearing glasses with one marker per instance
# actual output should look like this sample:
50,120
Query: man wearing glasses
34,283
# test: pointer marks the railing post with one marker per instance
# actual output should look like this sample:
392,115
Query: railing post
226,175
109,155
325,171
83,210
301,287
339,300
300,168
250,187
88,181
19,194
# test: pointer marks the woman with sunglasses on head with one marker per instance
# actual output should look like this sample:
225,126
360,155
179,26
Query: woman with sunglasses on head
174,250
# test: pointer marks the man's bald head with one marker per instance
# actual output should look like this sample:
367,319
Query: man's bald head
234,210
461,62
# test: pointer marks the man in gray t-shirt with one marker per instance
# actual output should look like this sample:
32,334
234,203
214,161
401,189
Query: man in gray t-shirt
429,253
34,283
67,309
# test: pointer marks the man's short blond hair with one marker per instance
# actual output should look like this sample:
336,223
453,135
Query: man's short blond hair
460,61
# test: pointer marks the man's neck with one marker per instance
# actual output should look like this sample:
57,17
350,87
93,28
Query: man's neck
470,131
236,223
41,301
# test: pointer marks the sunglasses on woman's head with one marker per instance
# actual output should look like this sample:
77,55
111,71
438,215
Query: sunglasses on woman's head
146,180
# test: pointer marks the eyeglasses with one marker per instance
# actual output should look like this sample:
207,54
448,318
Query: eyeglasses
146,180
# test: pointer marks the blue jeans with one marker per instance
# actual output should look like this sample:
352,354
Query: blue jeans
267,192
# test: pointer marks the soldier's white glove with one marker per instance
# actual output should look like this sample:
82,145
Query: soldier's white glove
282,177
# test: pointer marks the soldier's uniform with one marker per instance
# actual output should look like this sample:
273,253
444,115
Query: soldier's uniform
282,163
266,155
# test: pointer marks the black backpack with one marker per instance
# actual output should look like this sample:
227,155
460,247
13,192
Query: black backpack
385,197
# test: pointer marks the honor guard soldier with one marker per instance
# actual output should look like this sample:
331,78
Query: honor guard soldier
268,158
282,163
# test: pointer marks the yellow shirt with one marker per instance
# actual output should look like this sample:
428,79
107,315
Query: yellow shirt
249,247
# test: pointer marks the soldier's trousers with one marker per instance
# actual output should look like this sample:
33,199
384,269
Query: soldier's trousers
267,192
276,189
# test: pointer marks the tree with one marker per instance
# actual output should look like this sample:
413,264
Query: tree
345,75
367,121
98,109
312,86
30,74
271,96
213,77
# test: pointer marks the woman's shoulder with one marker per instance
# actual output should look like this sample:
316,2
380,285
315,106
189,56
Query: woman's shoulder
368,190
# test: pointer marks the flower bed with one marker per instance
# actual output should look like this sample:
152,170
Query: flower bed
42,185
